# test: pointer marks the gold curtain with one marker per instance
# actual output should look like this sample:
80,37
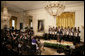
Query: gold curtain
66,19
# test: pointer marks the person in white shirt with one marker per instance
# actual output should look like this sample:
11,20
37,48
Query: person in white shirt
63,34
49,30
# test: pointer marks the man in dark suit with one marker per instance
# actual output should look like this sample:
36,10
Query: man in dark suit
60,35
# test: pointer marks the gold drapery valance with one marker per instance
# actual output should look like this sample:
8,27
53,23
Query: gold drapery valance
66,19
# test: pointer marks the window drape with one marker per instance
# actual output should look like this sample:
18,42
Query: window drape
66,19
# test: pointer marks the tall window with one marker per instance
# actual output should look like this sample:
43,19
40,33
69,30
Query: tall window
31,25
30,21
13,23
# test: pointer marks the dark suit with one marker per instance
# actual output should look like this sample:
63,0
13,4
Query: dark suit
60,35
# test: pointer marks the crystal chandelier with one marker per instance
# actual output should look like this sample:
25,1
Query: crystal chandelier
4,14
55,8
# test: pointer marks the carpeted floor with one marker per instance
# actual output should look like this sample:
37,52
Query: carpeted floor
50,51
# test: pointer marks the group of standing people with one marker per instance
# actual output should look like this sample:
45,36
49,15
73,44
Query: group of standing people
20,41
62,33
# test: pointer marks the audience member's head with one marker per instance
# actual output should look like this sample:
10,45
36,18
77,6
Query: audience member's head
32,37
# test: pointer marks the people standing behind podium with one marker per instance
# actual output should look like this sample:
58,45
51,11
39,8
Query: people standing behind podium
56,29
64,33
75,29
68,28
49,30
52,32
71,34
61,33
61,28
58,34
72,29
78,34
79,29
75,36
68,33
55,32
